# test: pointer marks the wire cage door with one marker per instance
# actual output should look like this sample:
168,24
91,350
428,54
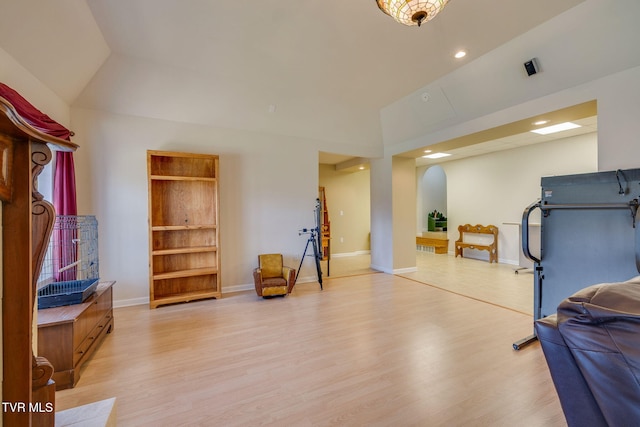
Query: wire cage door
70,271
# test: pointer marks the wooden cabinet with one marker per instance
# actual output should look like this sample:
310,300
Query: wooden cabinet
69,335
184,261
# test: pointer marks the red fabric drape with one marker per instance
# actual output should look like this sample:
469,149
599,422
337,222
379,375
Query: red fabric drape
32,115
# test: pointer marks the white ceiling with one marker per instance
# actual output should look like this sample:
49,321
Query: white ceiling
58,42
304,68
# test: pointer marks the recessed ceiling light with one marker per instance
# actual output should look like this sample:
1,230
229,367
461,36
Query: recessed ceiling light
436,155
541,122
427,151
460,54
556,128
361,168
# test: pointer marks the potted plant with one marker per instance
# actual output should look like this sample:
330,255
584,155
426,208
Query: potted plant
436,221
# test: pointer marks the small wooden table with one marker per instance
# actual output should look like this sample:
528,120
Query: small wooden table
69,335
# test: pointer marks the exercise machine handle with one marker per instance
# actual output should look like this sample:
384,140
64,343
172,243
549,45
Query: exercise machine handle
525,230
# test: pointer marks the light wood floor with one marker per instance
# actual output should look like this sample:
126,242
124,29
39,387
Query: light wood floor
368,350
493,283
347,266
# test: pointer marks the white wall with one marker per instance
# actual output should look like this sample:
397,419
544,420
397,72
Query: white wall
618,121
44,99
268,188
495,188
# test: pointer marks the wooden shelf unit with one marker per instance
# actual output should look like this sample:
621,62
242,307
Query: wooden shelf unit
184,260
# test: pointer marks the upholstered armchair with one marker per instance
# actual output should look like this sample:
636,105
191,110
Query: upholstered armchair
592,348
272,277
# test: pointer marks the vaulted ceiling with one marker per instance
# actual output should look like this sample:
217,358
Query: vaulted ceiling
305,68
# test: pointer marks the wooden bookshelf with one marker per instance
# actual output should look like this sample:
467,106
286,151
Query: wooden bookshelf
183,227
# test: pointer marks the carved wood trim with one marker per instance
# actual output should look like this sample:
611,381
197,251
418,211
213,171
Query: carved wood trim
492,248
43,212
42,372
479,229
6,167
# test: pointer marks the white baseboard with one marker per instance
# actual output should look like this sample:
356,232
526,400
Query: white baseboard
238,288
130,302
346,254
380,268
405,270
395,271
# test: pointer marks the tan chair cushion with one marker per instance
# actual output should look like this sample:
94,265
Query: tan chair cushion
271,265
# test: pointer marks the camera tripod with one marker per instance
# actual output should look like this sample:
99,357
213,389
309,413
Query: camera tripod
313,241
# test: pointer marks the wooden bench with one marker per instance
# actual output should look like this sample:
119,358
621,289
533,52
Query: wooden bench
460,244
439,244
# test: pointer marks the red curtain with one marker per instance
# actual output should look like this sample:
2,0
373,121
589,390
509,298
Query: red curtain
65,232
64,185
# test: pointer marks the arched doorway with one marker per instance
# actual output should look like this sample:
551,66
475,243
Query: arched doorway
432,196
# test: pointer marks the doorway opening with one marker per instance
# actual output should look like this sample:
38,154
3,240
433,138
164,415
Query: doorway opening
346,189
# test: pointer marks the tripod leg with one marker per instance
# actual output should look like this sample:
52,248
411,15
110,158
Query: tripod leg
302,259
317,257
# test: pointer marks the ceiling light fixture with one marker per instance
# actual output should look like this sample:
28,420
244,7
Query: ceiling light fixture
556,128
460,54
436,155
412,12
541,122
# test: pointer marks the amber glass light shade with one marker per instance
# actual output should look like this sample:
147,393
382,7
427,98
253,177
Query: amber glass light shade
412,12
